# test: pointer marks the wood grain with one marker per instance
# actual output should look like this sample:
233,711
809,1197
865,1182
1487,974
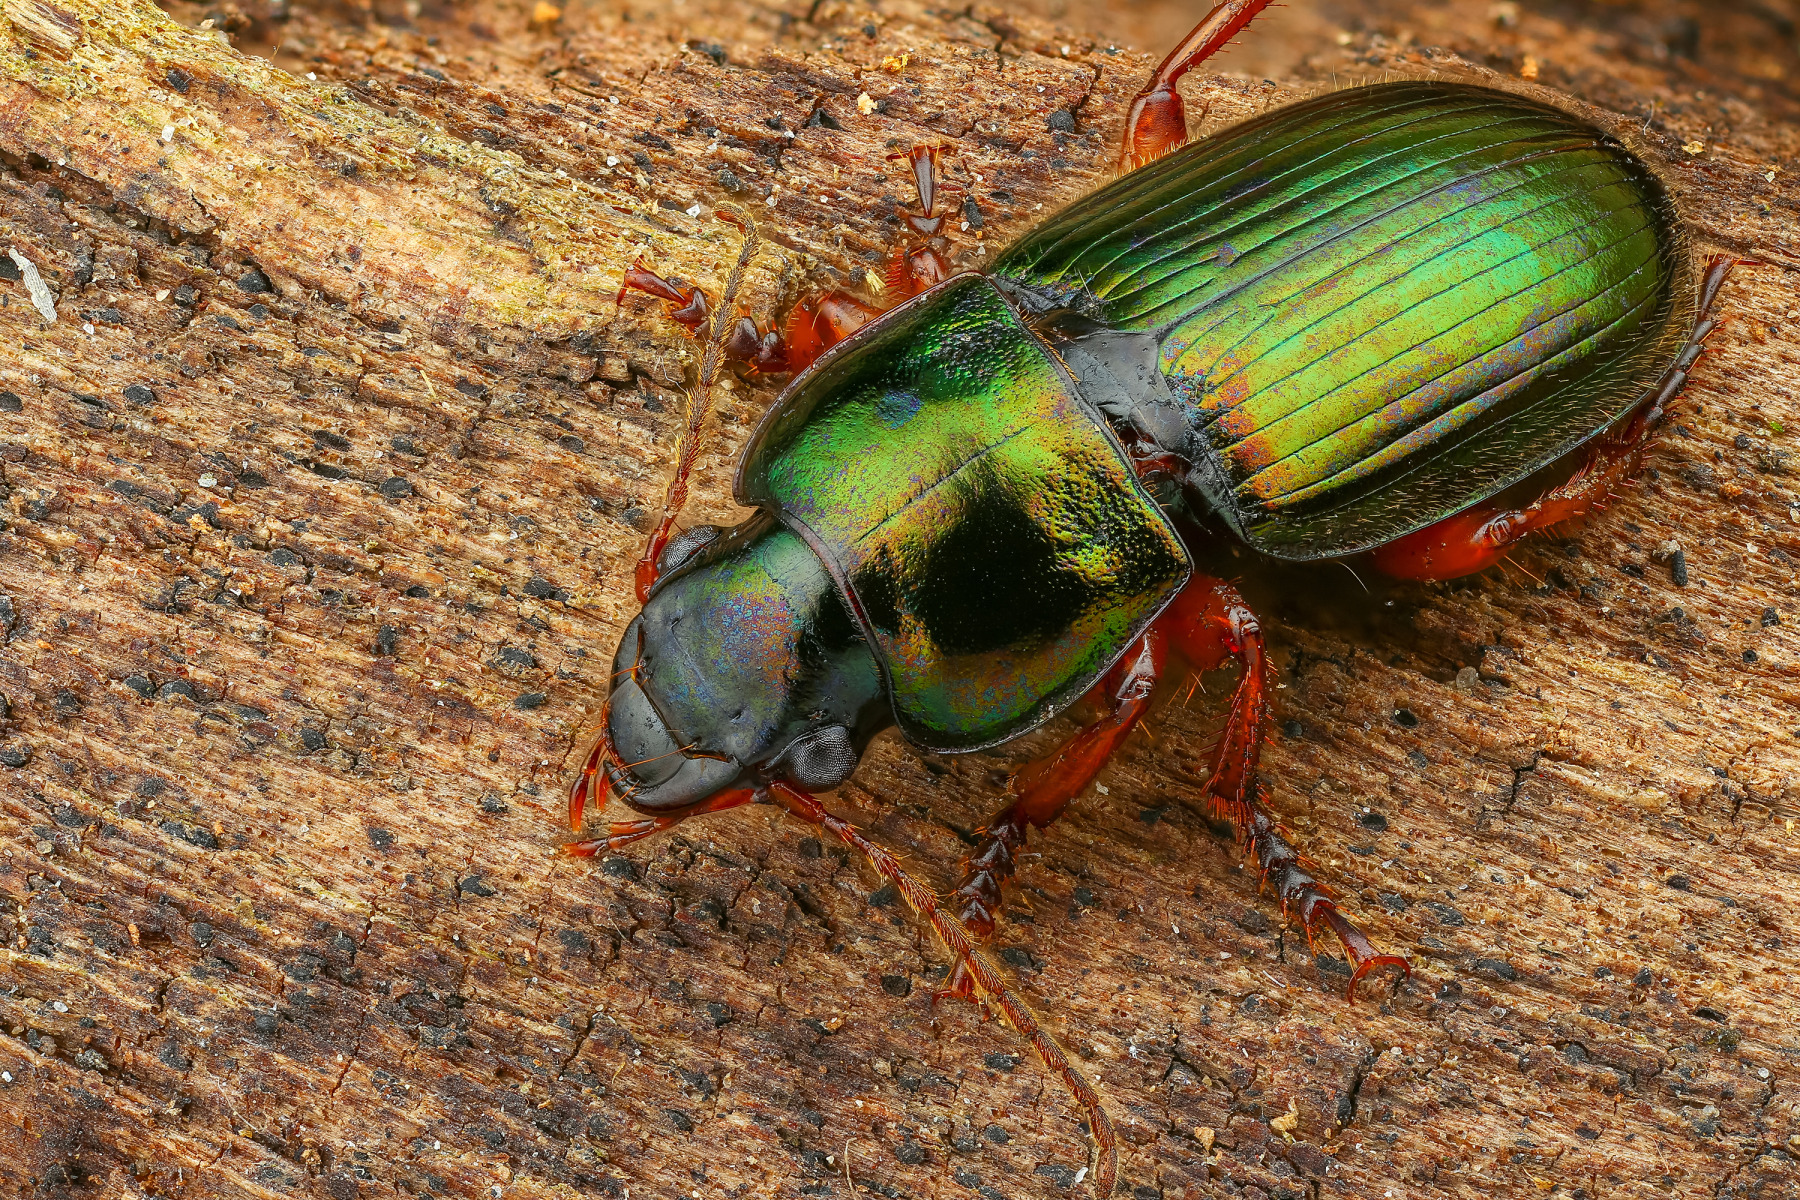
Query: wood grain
321,494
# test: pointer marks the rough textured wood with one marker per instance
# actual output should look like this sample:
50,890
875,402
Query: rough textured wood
320,498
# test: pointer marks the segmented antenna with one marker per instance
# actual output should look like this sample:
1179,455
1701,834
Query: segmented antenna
923,901
699,402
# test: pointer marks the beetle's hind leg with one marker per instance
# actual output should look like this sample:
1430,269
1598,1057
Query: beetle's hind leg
1043,790
1209,625
1477,537
1156,123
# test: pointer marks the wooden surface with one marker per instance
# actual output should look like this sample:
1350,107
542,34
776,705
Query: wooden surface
320,498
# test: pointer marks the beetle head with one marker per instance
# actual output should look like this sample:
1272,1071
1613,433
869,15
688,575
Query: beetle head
744,666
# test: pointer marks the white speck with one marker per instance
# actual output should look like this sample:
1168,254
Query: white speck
1102,789
693,210
1081,1175
311,76
163,294
5,1076
769,200
612,160
209,480
59,1006
612,99
1223,954
1176,929
168,133
1762,1072
1065,55
87,328
42,298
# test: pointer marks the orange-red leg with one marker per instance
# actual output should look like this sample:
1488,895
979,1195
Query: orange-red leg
1478,537
1209,625
1043,790
914,270
818,323
623,833
1157,121
689,308
587,786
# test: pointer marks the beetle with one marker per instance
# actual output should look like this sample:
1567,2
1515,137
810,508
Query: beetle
1413,321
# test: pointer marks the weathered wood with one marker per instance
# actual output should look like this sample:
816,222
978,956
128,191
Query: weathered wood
321,497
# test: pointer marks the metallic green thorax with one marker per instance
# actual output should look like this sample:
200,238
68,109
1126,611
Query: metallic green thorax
1379,307
992,536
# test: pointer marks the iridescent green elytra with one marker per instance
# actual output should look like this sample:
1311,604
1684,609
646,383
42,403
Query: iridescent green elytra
1381,306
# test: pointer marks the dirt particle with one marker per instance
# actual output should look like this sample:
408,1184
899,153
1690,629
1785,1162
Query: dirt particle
1445,914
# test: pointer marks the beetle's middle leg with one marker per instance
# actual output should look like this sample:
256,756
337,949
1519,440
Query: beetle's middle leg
1156,123
1209,625
1043,789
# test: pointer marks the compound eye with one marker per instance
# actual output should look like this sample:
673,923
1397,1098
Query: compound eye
683,547
820,760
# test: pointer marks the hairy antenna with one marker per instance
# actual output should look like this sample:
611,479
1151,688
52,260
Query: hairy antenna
699,403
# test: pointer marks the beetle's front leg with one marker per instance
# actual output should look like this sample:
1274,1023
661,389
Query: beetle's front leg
623,833
1209,625
1043,790
689,308
1157,121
